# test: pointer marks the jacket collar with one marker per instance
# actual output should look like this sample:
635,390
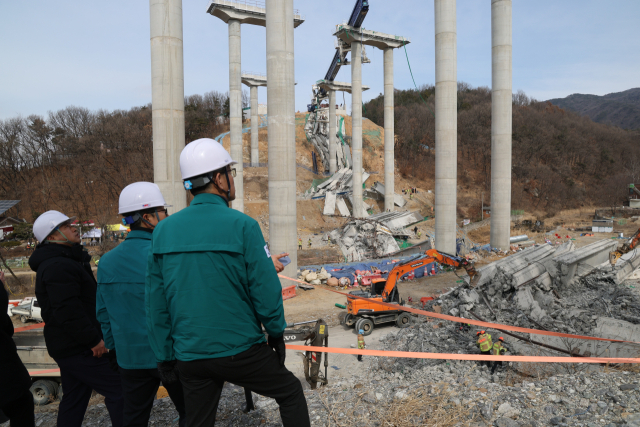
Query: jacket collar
139,234
208,199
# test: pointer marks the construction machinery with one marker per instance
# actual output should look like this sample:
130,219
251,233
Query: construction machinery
366,312
627,247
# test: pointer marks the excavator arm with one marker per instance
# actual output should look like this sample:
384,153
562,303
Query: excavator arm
627,247
432,255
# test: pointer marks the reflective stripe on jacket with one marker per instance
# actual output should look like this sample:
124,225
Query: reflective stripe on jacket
484,342
498,348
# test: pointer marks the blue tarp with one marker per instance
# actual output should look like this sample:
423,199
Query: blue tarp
349,270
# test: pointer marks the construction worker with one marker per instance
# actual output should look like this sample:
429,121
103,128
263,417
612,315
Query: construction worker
66,292
211,287
361,344
299,243
309,244
120,306
498,350
419,234
485,344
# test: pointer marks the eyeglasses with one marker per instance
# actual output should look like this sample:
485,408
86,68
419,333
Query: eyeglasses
163,210
233,172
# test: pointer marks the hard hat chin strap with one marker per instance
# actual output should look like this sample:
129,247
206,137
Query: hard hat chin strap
59,241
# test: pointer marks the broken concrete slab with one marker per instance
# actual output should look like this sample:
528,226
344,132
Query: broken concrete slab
581,261
624,269
527,274
342,207
330,204
398,200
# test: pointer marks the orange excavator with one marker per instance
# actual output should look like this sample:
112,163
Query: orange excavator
627,247
366,313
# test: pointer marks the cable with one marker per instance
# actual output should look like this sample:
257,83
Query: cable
414,80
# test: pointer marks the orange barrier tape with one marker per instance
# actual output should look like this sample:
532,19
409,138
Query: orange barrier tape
46,371
469,321
451,356
27,328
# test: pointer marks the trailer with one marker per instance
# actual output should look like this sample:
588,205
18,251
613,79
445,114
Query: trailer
44,371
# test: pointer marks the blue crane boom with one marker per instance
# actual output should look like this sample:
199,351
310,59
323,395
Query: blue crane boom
360,11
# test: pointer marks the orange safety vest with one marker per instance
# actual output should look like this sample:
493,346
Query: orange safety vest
484,341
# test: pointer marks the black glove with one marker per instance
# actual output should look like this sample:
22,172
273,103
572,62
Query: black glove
278,345
168,372
113,360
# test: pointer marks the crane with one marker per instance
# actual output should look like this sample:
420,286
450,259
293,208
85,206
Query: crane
365,313
358,14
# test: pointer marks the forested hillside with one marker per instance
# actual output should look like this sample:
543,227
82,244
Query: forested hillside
560,159
620,109
76,160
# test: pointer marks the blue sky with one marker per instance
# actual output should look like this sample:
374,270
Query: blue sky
97,55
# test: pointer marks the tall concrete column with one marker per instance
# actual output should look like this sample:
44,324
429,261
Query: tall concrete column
333,163
235,109
389,129
446,125
356,127
501,93
282,150
255,150
167,92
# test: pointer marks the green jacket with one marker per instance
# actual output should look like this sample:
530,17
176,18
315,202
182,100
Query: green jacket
210,284
120,301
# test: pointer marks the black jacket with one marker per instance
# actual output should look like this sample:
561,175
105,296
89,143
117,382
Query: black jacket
15,377
66,291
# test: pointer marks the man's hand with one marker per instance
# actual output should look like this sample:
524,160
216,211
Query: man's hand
168,372
99,350
277,263
278,345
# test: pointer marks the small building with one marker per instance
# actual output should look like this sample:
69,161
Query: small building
602,226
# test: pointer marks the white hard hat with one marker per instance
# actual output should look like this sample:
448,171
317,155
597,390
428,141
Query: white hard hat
140,196
202,156
47,222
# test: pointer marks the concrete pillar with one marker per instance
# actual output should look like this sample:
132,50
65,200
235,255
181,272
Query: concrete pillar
167,92
446,125
235,110
282,150
501,67
255,146
333,130
389,129
356,126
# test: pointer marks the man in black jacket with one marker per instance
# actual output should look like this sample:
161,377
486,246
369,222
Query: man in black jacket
16,400
66,291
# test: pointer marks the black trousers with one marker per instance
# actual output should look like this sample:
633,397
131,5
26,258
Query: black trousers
20,411
495,365
257,369
487,362
81,374
139,387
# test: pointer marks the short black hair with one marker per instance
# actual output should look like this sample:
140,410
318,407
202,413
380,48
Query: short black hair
204,188
138,223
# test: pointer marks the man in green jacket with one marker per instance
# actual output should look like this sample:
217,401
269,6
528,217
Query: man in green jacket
121,311
211,284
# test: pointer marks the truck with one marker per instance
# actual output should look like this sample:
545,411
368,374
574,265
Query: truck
44,371
29,309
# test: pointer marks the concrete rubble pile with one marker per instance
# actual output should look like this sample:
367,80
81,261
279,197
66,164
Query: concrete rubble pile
315,278
560,289
337,190
364,239
317,131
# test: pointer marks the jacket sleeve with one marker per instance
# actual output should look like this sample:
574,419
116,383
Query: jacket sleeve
157,311
103,317
64,289
265,289
6,325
